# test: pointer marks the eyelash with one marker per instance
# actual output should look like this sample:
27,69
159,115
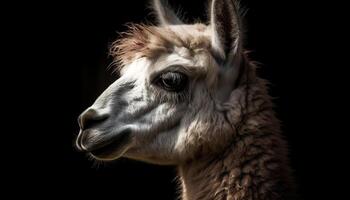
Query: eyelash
171,81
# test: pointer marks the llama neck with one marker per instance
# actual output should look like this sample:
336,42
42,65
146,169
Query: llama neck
238,176
254,166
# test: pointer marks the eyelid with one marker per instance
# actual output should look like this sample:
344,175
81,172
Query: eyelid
172,68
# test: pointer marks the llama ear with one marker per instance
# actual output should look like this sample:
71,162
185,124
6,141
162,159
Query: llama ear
226,28
165,15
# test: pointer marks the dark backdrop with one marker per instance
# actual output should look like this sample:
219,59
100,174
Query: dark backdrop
68,45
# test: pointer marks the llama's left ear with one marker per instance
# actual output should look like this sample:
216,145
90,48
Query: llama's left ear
226,28
165,15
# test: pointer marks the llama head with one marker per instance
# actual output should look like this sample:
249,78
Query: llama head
166,107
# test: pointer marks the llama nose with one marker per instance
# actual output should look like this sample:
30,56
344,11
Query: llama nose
90,117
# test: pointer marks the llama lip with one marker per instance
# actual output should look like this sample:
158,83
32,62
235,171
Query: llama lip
114,147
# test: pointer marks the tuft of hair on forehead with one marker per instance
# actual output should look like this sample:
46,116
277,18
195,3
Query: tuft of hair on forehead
151,41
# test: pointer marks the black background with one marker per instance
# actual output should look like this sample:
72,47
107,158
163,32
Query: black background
62,49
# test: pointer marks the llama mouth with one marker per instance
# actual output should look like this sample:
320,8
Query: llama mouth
114,148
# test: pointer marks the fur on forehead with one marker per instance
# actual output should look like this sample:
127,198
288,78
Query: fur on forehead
151,41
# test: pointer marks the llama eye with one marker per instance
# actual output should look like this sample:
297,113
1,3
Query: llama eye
172,81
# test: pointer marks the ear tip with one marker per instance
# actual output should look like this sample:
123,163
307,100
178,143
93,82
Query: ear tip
164,13
235,3
160,4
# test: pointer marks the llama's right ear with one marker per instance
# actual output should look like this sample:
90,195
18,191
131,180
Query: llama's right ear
225,23
165,15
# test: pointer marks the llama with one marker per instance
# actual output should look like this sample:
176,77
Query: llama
189,96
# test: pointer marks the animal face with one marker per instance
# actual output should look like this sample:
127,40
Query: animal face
166,107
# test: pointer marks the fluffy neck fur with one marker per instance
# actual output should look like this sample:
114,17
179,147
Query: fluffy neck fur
254,165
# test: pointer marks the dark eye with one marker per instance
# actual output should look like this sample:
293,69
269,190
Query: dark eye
172,81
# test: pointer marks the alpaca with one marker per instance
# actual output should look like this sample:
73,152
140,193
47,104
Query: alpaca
189,96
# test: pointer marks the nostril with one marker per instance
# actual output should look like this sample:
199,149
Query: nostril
90,118
90,122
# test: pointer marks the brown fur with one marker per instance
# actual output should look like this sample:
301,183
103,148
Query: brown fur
151,41
254,165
